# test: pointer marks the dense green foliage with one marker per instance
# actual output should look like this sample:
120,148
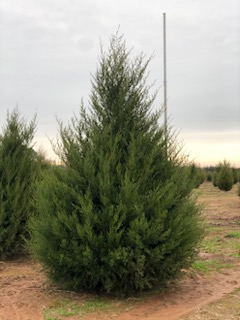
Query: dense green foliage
198,175
119,217
209,173
235,175
224,176
18,171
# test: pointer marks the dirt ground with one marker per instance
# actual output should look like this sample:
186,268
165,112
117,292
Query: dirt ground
25,292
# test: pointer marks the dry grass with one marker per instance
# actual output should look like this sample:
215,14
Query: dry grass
220,249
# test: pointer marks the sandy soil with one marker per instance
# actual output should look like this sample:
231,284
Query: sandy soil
25,291
22,293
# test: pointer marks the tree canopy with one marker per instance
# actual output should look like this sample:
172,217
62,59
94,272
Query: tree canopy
119,217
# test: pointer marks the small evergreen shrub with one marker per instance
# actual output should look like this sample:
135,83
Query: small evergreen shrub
215,176
224,176
18,171
235,175
119,216
198,175
209,173
209,177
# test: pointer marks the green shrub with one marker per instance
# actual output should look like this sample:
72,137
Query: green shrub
235,175
18,171
209,173
215,177
119,217
209,177
198,175
224,176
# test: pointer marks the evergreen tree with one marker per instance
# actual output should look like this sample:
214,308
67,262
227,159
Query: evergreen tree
209,173
17,176
235,175
197,174
224,176
215,175
119,217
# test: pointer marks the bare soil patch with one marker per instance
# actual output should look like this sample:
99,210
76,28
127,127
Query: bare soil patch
206,291
227,308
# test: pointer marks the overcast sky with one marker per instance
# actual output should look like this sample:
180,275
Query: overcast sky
49,48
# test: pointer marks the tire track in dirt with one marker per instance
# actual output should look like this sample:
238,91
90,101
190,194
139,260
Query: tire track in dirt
24,290
190,295
24,293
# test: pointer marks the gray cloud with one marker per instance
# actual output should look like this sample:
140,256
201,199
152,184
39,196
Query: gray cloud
49,48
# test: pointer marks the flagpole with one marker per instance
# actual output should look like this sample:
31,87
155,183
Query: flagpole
165,77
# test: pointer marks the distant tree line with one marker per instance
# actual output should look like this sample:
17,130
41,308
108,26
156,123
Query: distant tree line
223,175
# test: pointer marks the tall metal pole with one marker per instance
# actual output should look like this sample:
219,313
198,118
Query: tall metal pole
165,77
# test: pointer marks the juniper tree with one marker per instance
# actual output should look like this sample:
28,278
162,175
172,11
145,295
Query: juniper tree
119,216
197,174
17,176
224,176
235,175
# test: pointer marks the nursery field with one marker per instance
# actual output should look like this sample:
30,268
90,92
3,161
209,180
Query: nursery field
209,290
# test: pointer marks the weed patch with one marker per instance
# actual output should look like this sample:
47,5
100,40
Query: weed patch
206,266
233,234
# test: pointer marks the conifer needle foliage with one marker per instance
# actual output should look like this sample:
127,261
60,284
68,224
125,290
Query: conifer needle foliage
18,172
224,176
118,217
